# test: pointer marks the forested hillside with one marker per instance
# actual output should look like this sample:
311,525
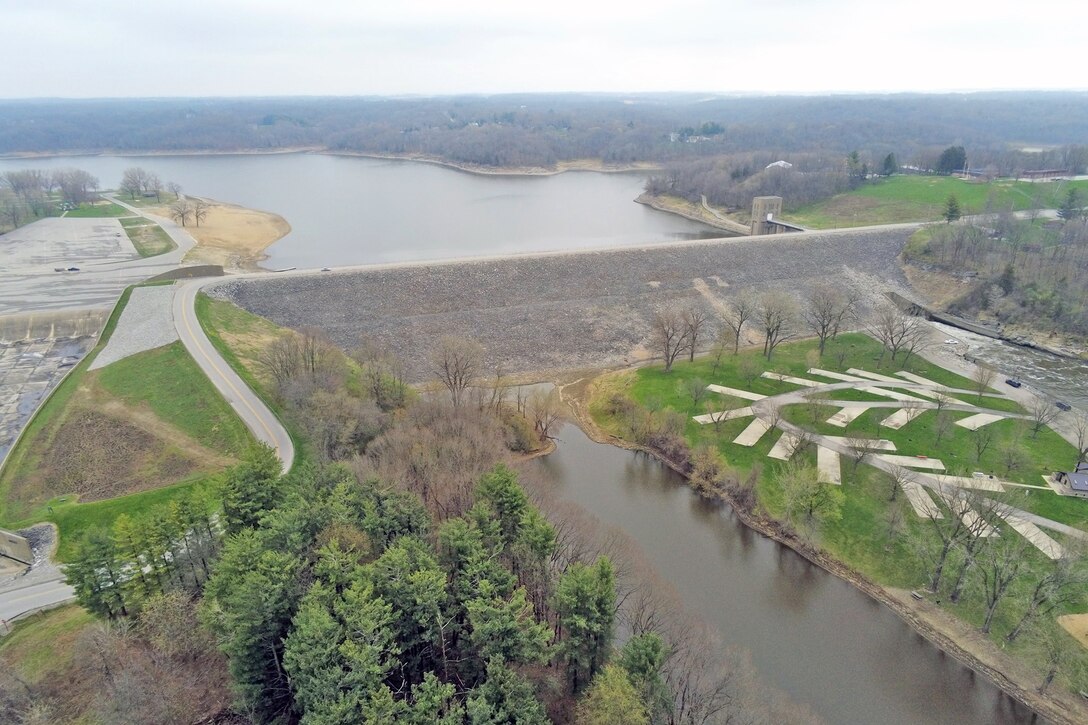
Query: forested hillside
541,129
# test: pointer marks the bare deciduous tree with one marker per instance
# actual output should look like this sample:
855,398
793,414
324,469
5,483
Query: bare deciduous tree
942,426
982,438
1043,412
1080,429
695,320
456,362
776,314
669,334
181,211
741,311
897,331
200,210
174,188
983,378
826,311
545,409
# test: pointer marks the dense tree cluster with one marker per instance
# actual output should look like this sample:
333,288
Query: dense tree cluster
1021,273
29,194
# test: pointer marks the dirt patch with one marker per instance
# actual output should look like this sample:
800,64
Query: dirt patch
938,288
79,463
232,236
1076,625
143,452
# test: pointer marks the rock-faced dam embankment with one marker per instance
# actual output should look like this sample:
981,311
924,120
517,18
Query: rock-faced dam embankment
560,311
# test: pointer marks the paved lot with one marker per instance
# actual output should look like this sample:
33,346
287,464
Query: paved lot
101,250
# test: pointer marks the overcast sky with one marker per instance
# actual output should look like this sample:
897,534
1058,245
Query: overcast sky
76,48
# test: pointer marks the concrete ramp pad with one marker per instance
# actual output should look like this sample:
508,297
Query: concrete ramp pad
978,483
735,392
836,376
752,434
784,447
893,394
871,444
900,418
846,416
911,377
722,416
873,376
827,461
929,464
1036,536
803,382
920,501
974,422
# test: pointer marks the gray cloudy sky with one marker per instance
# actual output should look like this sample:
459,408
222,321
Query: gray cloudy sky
78,48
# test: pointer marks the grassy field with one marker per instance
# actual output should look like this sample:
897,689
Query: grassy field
876,535
922,198
148,237
43,643
99,210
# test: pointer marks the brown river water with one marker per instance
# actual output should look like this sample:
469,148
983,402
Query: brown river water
809,634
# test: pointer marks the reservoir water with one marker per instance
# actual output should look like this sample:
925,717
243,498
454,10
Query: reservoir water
351,210
810,635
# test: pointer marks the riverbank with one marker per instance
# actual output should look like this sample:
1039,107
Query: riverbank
692,211
937,625
233,237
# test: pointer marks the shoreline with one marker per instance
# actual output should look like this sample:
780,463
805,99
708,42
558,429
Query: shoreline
923,617
669,206
592,165
561,167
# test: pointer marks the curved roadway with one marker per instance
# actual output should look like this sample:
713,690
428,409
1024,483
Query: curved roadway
263,423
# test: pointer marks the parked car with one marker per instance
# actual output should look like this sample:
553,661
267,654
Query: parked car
1013,382
1063,405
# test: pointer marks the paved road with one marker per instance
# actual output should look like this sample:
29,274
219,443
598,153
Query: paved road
253,412
41,595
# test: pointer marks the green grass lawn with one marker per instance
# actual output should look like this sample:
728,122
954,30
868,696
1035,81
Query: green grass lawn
99,210
168,381
147,236
43,643
922,198
876,535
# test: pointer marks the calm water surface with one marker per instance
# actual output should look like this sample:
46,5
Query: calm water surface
350,210
810,634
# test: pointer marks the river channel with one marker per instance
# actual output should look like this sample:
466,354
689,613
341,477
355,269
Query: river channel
810,635
352,210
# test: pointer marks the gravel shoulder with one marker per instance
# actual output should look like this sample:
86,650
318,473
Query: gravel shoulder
147,322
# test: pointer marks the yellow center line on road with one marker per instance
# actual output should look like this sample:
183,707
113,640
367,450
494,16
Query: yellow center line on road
185,307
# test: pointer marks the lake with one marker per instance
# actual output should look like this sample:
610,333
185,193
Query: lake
347,210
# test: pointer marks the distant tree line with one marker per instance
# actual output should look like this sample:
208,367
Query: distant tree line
540,129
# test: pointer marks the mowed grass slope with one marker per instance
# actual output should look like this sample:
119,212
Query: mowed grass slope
922,198
138,432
